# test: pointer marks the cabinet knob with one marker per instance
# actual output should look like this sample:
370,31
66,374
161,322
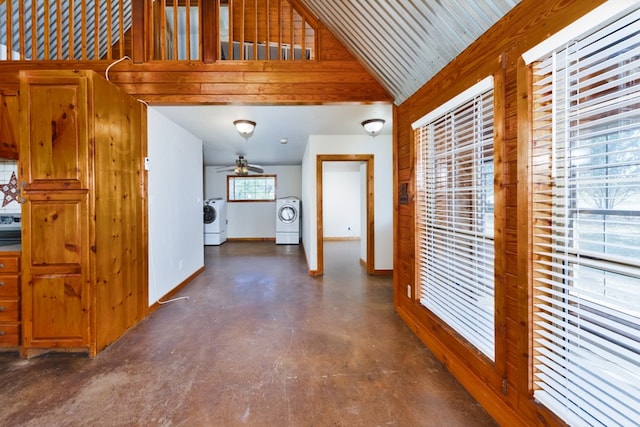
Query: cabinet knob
1,308
1,333
1,265
1,283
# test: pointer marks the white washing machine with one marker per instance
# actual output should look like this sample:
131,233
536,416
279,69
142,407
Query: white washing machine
288,221
215,221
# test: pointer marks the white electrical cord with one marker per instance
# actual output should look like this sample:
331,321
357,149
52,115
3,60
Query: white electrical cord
106,72
106,75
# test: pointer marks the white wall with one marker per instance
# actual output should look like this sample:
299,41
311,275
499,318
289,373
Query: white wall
176,247
341,199
254,219
380,147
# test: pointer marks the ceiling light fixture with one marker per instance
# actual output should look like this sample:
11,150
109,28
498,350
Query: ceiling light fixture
373,126
245,127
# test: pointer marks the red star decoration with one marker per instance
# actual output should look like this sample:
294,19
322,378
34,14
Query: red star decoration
10,190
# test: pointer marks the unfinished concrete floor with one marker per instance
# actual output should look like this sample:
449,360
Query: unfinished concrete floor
258,343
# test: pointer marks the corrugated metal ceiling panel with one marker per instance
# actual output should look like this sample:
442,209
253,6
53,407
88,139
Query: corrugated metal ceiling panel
405,43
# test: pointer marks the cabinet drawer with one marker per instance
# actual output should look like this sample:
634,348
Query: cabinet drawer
9,310
9,334
9,286
9,264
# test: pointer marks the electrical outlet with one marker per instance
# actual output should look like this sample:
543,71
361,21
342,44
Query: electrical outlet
409,294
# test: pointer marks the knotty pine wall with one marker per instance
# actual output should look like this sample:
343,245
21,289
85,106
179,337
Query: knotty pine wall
335,77
503,387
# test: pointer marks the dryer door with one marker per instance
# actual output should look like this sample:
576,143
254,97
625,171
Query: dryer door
287,214
209,214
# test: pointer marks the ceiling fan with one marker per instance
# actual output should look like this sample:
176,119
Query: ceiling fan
242,167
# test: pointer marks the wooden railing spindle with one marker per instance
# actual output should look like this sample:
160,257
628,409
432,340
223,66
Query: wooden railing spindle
71,39
231,8
45,30
59,30
268,31
163,30
109,31
254,36
175,50
23,34
96,33
291,46
9,46
187,10
280,29
121,48
83,41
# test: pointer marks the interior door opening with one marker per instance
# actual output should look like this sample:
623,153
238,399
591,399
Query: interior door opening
366,195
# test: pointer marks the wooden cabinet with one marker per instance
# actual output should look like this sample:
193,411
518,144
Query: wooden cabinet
84,250
9,300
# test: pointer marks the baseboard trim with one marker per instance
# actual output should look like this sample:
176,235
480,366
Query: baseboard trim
383,272
340,239
251,239
175,290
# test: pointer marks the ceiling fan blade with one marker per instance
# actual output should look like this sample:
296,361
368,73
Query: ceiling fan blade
225,168
255,168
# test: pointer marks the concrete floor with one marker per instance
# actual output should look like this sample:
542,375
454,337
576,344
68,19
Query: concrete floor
258,343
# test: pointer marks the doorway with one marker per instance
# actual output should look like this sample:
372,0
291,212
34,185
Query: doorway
369,217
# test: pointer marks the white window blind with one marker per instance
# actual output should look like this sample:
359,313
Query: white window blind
586,227
455,216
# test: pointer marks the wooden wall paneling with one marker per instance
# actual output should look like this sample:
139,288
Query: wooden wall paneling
500,291
335,77
119,249
526,25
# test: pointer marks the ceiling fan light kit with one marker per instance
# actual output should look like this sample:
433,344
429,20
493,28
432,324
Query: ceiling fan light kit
373,126
244,127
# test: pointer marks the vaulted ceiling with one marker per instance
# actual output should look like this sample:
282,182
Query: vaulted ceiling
404,43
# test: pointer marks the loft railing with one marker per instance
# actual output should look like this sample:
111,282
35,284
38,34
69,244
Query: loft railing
64,29
169,30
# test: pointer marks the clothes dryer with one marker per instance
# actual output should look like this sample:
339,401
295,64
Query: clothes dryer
288,215
215,221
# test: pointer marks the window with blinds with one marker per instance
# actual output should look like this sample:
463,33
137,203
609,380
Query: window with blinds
256,188
586,226
455,214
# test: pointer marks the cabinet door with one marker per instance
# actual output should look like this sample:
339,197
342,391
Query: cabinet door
54,138
55,284
8,126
